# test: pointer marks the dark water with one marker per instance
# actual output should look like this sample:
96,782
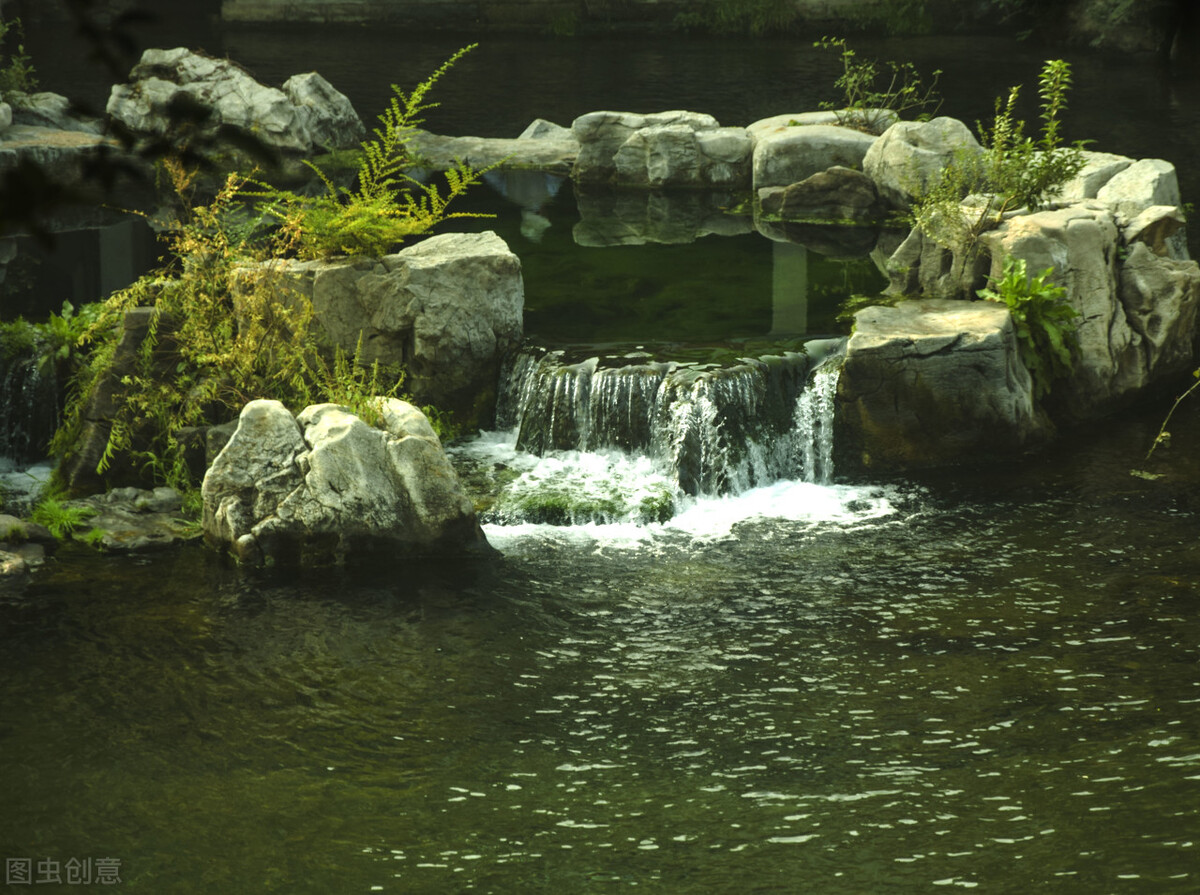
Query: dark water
992,686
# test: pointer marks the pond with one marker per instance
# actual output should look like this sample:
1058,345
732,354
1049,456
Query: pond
981,678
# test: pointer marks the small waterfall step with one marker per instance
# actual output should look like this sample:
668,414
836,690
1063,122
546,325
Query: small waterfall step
715,428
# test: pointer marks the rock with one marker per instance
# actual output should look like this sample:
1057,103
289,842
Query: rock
676,149
1155,226
6,115
325,484
136,520
1145,183
448,308
541,147
921,266
910,156
69,159
170,87
1098,169
1160,297
15,532
791,154
677,155
935,382
837,194
1135,314
764,127
50,110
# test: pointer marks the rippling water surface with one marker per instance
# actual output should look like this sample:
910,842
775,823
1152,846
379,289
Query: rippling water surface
992,685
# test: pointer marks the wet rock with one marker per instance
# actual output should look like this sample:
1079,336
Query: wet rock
135,520
14,574
837,194
50,110
326,485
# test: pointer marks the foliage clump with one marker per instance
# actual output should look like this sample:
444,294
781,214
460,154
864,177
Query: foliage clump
755,17
16,68
1044,321
387,205
1014,171
225,326
870,105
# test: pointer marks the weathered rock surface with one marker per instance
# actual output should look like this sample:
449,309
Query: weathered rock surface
789,155
136,520
448,308
910,156
543,146
665,149
49,110
934,382
836,194
1098,169
1137,314
1143,184
306,116
326,485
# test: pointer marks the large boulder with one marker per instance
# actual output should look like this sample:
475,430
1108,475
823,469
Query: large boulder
542,146
1137,312
787,155
665,149
168,89
449,309
934,382
910,156
325,485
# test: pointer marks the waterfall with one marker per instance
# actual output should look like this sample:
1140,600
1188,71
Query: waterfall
28,407
711,429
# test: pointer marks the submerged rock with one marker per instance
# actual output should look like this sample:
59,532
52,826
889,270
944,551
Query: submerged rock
326,485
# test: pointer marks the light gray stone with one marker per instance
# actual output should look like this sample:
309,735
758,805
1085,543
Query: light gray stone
1098,169
935,382
326,485
910,156
676,155
448,309
601,135
308,117
1145,183
789,155
50,110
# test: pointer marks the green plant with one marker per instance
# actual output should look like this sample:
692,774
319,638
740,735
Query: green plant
16,68
756,17
1014,170
1024,171
1164,436
61,518
1044,321
864,105
387,205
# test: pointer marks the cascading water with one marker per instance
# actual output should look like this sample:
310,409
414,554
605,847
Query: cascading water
597,441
